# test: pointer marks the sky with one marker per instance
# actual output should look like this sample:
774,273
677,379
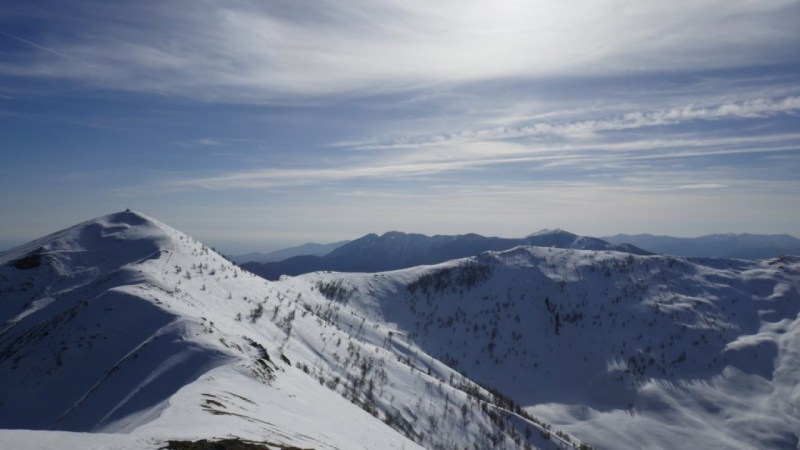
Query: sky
255,125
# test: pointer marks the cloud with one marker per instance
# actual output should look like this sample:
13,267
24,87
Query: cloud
202,142
262,179
590,128
611,159
40,47
252,51
702,186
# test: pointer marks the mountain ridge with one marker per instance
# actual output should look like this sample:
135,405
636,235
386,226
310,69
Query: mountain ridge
395,250
659,335
310,248
720,245
122,324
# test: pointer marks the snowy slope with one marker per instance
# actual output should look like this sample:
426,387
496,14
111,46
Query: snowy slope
128,333
122,332
127,325
623,351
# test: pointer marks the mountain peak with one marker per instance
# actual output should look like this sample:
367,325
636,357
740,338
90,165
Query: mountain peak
129,217
394,234
549,232
114,240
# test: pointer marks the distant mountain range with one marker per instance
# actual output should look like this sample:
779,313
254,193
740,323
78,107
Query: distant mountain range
744,246
395,250
286,253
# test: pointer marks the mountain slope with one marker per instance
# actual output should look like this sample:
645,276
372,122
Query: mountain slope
125,325
128,333
395,250
745,246
624,351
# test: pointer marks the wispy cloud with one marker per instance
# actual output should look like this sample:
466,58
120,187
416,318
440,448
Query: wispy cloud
702,186
637,154
201,142
253,51
262,179
589,129
43,48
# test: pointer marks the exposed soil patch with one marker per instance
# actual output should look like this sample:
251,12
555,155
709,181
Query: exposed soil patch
225,444
30,261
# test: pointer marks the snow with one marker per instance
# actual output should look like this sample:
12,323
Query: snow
129,333
146,331
717,332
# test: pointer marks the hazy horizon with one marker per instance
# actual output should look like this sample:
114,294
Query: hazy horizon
271,246
255,126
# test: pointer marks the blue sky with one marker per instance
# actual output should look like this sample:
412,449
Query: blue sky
256,125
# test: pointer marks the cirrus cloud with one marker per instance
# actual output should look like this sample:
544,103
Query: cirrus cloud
254,51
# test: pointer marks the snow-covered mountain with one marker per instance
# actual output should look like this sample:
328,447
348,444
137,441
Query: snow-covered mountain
129,330
745,246
310,248
129,333
395,250
623,351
